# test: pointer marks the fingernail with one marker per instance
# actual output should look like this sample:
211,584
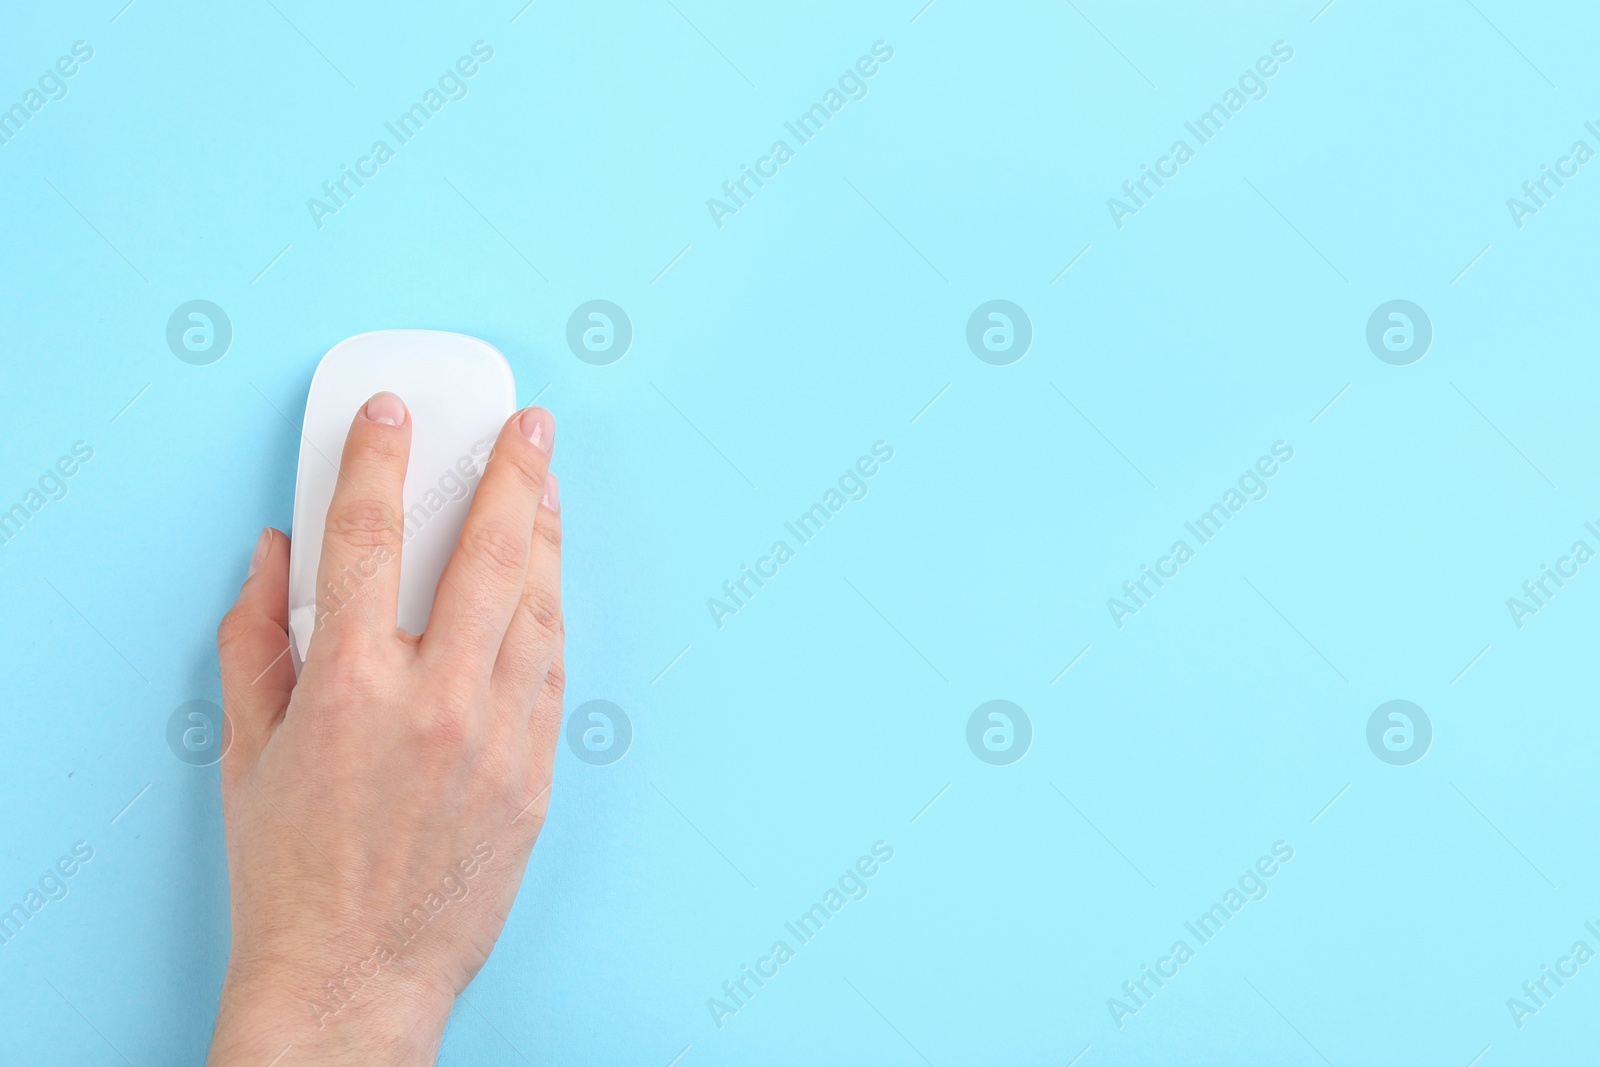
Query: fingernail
263,544
552,493
387,409
539,427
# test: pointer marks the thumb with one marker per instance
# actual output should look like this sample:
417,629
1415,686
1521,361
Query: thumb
253,647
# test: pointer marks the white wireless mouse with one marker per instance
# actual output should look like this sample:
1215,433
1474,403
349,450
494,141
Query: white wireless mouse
460,391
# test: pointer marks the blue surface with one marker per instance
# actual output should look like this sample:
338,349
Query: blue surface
1168,755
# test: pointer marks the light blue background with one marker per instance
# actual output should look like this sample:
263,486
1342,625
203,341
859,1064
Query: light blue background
1223,317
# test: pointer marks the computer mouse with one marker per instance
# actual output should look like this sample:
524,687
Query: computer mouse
459,391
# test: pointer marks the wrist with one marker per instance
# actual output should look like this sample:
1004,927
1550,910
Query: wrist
331,1022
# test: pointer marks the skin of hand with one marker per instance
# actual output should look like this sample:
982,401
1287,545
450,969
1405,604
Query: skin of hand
381,810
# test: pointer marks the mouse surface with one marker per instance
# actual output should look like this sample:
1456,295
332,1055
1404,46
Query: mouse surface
459,391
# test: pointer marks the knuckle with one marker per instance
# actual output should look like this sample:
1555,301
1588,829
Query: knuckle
233,628
542,607
502,767
555,684
447,726
383,446
363,524
350,676
536,809
546,718
341,653
529,468
548,529
499,547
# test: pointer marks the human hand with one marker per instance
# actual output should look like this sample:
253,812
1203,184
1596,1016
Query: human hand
381,810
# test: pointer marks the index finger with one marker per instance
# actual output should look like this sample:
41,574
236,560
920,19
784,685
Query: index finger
358,574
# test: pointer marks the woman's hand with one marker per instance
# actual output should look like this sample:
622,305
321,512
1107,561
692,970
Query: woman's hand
380,812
